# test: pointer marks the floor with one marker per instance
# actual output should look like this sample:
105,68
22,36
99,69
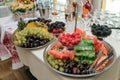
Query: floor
6,73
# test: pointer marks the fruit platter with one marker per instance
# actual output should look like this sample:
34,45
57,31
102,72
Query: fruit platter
32,34
79,55
22,6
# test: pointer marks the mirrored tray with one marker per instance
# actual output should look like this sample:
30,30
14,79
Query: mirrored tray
108,66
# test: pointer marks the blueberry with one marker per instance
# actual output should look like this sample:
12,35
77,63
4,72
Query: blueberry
63,24
98,33
98,25
59,25
93,26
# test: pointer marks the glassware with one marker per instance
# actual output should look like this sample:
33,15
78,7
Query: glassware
69,10
74,4
55,5
80,9
87,7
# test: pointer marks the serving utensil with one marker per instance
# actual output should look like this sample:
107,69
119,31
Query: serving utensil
100,54
110,55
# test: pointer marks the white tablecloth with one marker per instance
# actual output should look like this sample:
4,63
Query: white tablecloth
34,59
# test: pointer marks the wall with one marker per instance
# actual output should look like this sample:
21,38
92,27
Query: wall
97,4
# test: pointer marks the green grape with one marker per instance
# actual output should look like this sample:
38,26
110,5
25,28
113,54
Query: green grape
61,63
19,42
16,43
53,64
56,66
56,62
61,69
51,56
38,34
50,61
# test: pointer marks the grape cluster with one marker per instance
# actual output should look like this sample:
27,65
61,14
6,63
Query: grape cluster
32,37
56,27
34,41
69,66
55,63
73,67
100,30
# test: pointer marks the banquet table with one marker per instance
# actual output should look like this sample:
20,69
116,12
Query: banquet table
34,60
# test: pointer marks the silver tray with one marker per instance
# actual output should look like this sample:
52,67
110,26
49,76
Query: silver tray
110,63
13,37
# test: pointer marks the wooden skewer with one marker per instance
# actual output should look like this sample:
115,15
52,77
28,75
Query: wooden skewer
76,16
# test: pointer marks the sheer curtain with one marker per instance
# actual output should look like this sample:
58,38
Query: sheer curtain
113,6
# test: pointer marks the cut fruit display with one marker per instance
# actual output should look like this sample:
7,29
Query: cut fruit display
78,60
85,51
70,40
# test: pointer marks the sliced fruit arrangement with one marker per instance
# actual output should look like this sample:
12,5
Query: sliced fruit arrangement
85,51
100,30
81,57
70,40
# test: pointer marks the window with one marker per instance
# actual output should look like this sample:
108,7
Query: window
111,5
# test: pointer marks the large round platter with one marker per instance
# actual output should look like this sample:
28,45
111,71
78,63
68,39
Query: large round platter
110,63
13,39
